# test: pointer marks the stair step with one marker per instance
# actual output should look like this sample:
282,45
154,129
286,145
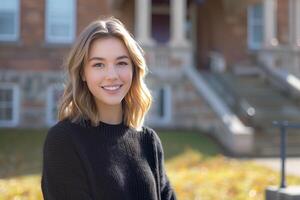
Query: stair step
267,121
270,104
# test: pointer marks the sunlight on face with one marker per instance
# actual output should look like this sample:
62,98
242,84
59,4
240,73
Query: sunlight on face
108,71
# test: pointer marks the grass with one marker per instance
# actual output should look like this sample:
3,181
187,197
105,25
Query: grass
20,163
20,151
176,142
195,166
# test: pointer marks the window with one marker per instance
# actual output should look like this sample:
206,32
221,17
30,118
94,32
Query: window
9,20
9,105
60,21
160,112
53,95
255,26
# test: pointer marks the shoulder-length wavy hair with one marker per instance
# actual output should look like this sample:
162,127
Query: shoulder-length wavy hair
78,103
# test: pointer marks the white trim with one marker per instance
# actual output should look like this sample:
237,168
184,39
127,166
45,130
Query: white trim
167,106
294,23
253,45
71,37
270,23
51,103
16,35
15,107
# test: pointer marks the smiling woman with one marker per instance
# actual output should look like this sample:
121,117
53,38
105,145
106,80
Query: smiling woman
103,55
100,149
108,75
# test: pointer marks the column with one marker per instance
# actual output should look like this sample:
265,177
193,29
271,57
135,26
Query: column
178,20
294,23
294,37
270,23
143,21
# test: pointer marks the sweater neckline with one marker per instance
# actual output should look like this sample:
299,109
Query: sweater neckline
110,130
107,125
106,129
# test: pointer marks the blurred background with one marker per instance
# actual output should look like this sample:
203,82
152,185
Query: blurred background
220,71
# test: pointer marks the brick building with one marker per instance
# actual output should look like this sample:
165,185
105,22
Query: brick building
183,40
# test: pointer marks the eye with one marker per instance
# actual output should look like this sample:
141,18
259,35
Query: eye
98,65
122,63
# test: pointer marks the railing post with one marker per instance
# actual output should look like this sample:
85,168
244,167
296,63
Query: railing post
283,126
282,154
283,192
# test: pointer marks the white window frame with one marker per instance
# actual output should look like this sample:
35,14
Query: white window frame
167,106
15,105
50,119
253,45
14,36
65,40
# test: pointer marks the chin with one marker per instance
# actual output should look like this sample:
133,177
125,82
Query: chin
111,102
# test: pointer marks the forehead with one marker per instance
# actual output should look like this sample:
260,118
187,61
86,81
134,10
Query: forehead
107,48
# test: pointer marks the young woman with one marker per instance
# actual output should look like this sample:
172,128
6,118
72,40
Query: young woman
100,149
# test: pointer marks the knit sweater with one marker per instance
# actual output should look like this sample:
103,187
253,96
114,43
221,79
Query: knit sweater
104,162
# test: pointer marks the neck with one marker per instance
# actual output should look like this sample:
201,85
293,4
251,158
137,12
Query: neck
110,114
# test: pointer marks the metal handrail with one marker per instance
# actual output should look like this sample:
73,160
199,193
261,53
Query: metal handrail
240,105
283,126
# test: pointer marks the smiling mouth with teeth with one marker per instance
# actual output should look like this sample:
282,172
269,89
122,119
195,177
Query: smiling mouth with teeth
112,88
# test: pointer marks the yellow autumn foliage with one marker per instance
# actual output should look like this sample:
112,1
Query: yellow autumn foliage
21,188
195,177
192,175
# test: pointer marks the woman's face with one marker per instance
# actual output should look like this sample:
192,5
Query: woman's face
108,71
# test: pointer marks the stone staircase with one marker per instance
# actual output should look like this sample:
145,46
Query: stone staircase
258,104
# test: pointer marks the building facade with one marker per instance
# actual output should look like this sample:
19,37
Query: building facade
181,39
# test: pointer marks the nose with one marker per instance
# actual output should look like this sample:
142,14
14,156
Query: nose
111,72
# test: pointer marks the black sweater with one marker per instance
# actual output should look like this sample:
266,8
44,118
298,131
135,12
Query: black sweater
107,162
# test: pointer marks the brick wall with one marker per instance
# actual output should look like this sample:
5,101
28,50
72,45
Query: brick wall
32,63
32,52
220,32
227,33
283,21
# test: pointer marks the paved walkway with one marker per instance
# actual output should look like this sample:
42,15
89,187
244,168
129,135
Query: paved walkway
292,165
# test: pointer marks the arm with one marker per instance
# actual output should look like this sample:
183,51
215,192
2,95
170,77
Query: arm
166,190
63,175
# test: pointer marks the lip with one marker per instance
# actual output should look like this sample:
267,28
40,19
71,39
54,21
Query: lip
111,85
112,91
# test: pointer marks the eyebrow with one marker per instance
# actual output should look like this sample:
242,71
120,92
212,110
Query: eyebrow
99,58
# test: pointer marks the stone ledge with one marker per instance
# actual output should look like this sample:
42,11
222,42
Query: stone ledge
289,193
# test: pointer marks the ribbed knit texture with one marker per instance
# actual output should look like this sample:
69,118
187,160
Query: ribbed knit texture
107,162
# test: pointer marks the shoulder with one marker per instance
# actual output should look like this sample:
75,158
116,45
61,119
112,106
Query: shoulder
147,131
66,126
59,127
59,145
59,133
153,134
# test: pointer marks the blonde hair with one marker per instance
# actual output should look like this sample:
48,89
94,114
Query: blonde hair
77,101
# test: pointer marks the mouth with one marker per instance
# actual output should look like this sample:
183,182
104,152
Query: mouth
111,88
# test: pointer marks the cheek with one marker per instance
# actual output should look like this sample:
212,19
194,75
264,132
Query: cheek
127,75
91,76
92,80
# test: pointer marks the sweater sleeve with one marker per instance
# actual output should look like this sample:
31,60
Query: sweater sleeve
63,175
166,190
